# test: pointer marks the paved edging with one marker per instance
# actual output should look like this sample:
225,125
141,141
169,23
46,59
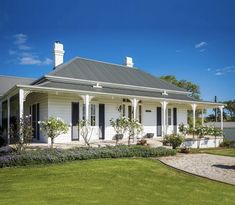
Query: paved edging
205,165
192,174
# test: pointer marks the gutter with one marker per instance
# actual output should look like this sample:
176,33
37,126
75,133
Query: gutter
113,94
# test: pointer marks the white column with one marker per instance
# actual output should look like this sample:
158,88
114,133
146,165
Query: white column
202,117
8,120
134,103
86,99
21,106
194,106
21,103
164,106
221,117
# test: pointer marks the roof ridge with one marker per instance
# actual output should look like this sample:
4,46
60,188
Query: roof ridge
99,61
13,76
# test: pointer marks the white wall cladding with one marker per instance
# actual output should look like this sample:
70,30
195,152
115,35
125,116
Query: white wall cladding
60,106
42,99
149,118
182,114
111,111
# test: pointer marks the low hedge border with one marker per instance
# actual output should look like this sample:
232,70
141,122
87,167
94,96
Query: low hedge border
49,156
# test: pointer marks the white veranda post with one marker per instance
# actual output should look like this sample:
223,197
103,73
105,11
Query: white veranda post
221,117
202,115
8,120
164,106
86,100
194,106
134,103
21,105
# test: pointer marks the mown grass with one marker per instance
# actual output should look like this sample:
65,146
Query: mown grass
111,182
217,151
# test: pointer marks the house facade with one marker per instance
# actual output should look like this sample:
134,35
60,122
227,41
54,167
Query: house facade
98,92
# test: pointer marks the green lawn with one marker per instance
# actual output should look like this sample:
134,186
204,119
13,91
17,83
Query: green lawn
113,181
219,151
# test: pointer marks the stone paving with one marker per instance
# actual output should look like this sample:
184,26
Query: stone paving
221,168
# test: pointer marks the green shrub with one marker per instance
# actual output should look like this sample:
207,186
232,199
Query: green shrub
227,143
173,140
48,156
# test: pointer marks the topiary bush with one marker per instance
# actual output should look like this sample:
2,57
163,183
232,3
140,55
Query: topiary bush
49,156
173,140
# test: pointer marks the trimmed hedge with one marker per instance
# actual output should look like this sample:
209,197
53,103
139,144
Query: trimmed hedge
49,156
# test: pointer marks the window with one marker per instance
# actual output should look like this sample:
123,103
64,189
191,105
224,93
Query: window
140,114
92,115
169,116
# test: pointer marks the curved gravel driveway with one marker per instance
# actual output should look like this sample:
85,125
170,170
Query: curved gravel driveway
221,168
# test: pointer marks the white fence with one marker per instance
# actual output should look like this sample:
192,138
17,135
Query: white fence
203,143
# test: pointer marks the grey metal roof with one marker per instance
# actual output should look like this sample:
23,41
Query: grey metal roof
116,90
87,69
7,82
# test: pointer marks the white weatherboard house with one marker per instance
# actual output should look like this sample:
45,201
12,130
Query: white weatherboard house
96,91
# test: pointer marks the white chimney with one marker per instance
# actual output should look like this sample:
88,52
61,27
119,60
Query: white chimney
129,62
58,53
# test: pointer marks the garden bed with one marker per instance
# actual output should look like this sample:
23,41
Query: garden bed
49,156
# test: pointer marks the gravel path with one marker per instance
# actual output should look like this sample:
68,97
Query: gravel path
215,167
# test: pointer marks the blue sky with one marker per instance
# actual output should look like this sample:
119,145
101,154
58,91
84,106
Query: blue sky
193,40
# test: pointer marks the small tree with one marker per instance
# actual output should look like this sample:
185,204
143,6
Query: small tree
53,127
120,126
21,133
183,129
216,132
201,132
85,130
134,128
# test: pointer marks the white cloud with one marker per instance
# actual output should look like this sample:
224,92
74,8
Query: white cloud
34,60
218,73
24,53
24,47
47,61
11,52
201,44
223,71
178,51
29,61
20,38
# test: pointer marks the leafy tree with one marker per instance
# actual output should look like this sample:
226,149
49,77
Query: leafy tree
85,130
53,127
21,133
120,126
229,109
187,85
134,128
